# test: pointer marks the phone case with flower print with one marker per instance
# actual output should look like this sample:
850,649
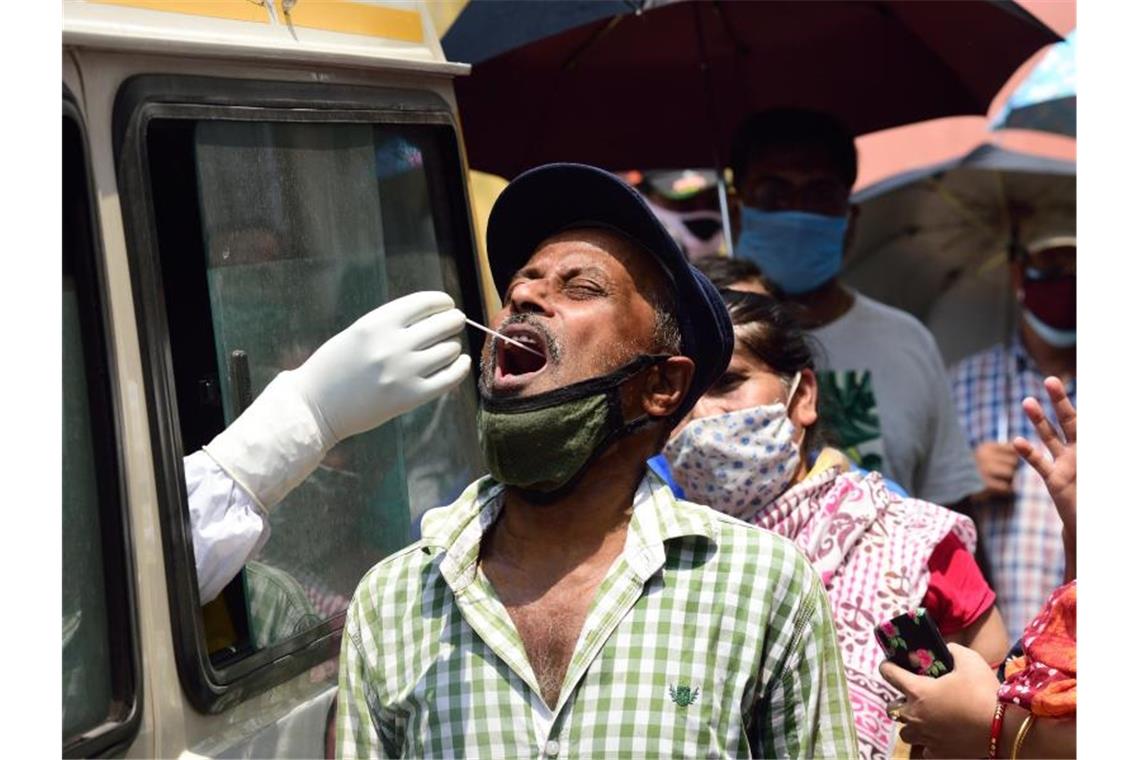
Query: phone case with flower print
912,641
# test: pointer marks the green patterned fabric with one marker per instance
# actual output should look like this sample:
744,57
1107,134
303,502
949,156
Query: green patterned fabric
543,448
707,637
278,606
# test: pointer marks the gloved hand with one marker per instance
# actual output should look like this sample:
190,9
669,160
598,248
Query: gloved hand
389,361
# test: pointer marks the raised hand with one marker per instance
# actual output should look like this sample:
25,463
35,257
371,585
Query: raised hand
1059,469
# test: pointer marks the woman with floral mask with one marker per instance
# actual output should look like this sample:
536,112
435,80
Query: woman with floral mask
751,448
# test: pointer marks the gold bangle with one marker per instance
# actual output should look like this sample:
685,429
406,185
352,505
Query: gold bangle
1022,732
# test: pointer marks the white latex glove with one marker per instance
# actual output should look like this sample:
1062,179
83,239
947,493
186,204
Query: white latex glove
389,361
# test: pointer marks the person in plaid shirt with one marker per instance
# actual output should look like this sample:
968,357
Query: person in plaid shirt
568,604
1020,531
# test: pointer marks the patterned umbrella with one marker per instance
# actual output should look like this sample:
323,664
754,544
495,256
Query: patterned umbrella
935,241
1047,99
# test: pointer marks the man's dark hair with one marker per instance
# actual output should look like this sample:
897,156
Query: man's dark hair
770,330
725,272
667,340
666,328
788,127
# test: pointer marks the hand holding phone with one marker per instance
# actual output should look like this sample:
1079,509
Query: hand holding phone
912,642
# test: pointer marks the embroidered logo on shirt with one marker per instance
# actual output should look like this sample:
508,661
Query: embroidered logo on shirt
683,695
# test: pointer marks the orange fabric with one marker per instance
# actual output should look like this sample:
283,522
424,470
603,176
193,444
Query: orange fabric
1057,700
1044,679
1014,665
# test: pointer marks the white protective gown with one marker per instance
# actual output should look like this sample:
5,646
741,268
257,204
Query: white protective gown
227,526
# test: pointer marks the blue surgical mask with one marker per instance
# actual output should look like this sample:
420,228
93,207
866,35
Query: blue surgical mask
798,251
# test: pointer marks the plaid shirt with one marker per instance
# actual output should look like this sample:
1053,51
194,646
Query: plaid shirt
1022,535
706,637
279,607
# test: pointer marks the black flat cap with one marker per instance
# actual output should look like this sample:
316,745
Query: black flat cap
548,199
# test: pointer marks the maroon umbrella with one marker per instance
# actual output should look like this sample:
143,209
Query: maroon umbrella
664,88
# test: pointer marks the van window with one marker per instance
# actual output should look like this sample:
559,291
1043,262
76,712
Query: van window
273,237
98,666
86,655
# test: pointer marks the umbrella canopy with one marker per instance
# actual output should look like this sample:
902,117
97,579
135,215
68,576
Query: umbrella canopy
935,241
1047,99
666,87
486,28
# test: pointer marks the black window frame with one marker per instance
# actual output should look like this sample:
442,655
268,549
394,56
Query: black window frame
146,98
122,724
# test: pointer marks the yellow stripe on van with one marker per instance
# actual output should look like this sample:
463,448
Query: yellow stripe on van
351,17
238,10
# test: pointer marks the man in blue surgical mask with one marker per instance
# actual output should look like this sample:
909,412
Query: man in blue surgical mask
883,384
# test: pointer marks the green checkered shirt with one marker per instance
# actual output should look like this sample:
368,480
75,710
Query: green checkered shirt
707,637
278,605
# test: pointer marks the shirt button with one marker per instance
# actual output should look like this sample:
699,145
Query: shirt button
551,748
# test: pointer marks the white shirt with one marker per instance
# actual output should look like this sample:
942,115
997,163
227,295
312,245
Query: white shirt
226,525
896,413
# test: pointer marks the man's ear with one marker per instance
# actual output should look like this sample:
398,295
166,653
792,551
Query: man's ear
803,408
666,385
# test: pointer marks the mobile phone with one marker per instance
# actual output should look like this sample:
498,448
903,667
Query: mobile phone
912,642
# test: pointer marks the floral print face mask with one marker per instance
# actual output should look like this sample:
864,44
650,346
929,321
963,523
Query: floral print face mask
737,462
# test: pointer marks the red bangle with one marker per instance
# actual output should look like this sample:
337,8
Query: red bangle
995,728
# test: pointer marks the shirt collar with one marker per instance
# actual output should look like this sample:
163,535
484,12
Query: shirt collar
1023,361
657,518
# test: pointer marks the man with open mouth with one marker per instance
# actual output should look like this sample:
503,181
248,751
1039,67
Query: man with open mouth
568,604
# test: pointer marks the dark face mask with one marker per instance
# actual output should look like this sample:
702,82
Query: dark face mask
1051,298
542,444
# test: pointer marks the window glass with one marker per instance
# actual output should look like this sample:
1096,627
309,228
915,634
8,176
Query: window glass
87,681
305,228
86,659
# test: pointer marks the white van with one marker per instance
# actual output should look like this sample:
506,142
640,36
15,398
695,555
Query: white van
242,179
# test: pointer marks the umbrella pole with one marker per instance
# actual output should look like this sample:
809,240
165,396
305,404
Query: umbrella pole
1011,313
1008,358
722,195
710,106
1004,406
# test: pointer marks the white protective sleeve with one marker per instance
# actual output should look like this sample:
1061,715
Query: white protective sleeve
227,526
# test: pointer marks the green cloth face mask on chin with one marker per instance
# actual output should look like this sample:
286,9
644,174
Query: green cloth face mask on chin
541,444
